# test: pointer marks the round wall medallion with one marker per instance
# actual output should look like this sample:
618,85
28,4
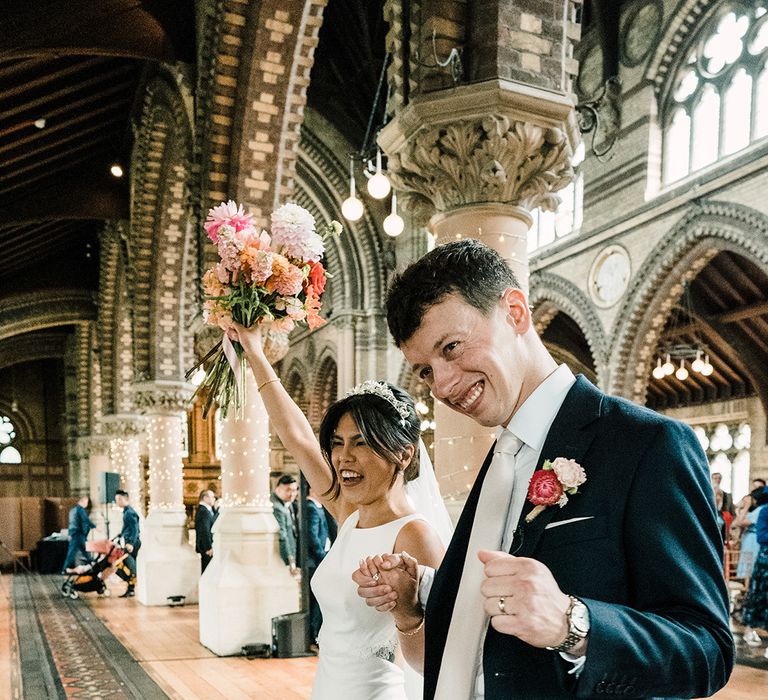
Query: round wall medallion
591,71
642,27
609,276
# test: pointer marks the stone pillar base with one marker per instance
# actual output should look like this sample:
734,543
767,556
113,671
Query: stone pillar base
246,584
167,565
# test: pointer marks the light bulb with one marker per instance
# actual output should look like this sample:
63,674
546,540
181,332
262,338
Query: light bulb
116,169
351,207
658,370
697,365
668,367
707,369
394,224
40,123
378,185
424,425
682,372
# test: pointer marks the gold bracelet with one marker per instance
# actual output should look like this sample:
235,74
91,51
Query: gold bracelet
269,381
415,630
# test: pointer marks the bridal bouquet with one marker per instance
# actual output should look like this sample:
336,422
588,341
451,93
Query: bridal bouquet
275,277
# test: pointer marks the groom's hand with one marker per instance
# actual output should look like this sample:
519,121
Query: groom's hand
390,583
523,599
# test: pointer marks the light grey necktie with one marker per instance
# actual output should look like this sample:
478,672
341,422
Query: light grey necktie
469,621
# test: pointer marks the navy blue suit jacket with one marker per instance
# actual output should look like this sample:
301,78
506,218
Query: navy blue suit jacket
647,563
317,527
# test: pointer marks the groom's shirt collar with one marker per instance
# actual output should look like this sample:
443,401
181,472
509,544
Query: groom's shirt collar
532,421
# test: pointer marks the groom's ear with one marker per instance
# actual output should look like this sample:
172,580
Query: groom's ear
516,311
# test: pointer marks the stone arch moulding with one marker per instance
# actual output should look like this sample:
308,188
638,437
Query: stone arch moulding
702,233
163,241
356,256
674,40
31,311
25,426
550,294
321,397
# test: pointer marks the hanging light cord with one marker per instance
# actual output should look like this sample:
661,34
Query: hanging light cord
384,65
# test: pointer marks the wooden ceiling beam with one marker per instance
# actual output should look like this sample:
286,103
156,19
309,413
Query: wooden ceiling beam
160,30
90,85
749,311
726,264
53,73
118,106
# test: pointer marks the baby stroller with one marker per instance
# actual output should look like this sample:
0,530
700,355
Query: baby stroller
92,576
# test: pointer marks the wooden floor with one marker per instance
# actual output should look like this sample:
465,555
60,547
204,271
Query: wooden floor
165,642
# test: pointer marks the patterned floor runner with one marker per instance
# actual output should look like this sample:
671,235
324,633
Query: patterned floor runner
65,651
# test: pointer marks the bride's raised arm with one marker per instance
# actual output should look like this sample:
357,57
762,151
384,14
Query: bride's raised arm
287,418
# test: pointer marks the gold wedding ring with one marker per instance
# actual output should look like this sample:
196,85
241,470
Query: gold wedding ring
502,609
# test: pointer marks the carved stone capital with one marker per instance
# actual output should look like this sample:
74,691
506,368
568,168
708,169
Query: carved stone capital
162,397
88,445
123,425
493,142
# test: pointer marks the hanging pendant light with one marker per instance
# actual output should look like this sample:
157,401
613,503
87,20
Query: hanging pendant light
378,185
394,224
682,372
668,367
658,370
352,207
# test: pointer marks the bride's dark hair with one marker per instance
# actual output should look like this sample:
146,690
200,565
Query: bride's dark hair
379,423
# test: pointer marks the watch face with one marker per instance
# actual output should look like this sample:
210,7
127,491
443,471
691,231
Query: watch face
580,618
610,275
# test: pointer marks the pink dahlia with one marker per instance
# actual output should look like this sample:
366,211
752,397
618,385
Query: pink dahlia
229,213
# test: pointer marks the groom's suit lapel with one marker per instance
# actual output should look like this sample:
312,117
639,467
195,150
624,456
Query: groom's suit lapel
570,436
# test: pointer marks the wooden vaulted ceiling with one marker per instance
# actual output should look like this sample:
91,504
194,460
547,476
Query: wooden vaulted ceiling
729,309
77,65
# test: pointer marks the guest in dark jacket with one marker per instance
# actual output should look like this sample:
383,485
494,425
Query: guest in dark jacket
130,535
317,546
204,519
79,526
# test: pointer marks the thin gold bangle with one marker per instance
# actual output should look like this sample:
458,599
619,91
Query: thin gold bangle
415,630
269,381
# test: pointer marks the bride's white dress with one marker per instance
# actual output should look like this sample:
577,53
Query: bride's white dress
357,643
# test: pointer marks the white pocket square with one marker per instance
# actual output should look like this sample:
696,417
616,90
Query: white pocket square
558,523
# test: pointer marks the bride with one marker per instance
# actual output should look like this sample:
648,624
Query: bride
365,465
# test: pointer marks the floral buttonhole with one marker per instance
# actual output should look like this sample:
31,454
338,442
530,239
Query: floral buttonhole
553,484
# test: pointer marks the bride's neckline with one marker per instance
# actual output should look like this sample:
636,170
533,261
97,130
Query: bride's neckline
373,527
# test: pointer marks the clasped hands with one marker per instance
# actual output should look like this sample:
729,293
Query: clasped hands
519,594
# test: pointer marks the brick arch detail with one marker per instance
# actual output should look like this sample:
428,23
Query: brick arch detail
701,234
551,294
163,241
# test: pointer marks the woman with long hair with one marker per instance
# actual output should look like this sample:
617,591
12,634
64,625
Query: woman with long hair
364,465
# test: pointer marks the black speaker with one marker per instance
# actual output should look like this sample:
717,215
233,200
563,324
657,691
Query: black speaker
290,635
109,482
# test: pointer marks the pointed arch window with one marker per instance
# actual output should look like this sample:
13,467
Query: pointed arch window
9,452
718,101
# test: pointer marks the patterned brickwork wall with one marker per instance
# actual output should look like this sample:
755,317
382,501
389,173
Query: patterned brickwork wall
161,253
109,255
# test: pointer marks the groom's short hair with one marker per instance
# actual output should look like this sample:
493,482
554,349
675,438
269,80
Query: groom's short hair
466,267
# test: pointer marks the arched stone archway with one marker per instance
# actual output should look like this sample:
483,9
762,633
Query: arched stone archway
325,387
551,295
678,258
163,241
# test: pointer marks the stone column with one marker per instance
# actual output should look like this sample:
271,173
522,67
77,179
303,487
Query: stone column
345,356
167,565
246,584
95,449
473,161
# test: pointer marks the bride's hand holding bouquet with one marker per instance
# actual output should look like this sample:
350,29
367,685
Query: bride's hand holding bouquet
276,278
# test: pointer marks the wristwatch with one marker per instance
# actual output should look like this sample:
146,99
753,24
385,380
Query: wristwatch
577,616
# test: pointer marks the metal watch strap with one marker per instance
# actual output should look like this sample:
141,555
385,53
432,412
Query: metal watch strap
573,637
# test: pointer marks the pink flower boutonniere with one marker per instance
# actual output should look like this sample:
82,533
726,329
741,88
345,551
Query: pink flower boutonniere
553,483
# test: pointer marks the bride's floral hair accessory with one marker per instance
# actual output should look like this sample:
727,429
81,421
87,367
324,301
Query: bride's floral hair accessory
381,390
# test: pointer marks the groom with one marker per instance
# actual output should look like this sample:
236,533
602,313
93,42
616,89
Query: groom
618,592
